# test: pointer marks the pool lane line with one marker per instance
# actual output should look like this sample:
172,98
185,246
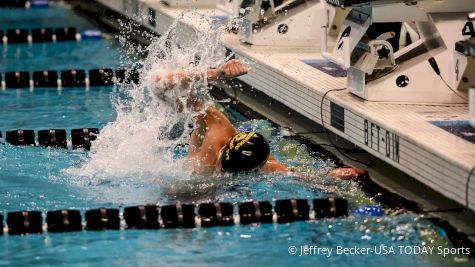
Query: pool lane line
44,35
68,78
55,138
178,215
37,4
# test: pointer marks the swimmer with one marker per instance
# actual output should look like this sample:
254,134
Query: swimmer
216,146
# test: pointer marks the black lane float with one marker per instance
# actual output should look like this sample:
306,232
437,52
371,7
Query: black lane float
20,137
100,77
73,78
15,36
17,79
52,138
63,221
173,216
13,3
82,138
69,78
56,138
24,4
40,35
46,78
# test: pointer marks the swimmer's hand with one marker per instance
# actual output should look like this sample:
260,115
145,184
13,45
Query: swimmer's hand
347,173
231,69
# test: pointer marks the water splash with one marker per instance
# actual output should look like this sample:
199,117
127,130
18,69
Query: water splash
140,142
139,147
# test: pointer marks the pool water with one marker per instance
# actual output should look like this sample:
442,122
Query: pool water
34,178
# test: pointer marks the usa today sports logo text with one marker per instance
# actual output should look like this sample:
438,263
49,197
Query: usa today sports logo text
308,250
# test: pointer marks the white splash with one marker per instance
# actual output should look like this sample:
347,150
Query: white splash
137,145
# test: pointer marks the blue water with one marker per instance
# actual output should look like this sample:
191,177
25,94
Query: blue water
34,179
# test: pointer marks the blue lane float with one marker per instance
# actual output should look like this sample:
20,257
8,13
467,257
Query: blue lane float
39,4
210,214
245,128
369,210
91,35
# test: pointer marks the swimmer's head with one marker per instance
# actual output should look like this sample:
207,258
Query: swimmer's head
245,152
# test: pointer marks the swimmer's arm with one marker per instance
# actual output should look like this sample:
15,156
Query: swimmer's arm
183,78
218,123
347,173
338,173
206,154
229,70
212,125
273,165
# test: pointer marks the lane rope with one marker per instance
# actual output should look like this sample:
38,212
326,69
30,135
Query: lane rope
56,138
43,35
68,78
177,215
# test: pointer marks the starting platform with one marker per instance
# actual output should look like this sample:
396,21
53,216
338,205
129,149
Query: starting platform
431,142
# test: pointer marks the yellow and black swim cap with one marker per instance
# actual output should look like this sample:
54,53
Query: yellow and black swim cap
245,152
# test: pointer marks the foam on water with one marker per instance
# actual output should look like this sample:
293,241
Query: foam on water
137,145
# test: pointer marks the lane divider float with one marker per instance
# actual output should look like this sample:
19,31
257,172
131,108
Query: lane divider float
15,3
42,35
37,4
68,78
56,138
177,215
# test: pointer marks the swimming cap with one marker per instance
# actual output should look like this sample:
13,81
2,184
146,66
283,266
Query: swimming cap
245,152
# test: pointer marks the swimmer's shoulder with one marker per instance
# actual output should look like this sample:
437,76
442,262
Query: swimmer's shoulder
214,117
